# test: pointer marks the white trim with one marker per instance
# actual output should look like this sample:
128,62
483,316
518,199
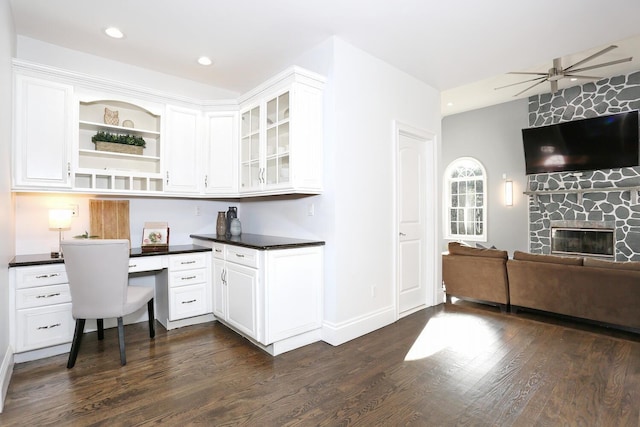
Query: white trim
6,370
340,333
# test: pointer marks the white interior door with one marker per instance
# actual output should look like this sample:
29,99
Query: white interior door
414,159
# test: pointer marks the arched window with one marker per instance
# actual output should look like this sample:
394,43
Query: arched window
465,196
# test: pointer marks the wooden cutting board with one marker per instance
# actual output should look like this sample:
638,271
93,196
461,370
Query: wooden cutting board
109,219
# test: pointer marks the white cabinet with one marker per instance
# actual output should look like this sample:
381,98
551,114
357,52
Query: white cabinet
235,282
189,285
270,296
117,168
183,154
43,133
281,136
41,307
221,153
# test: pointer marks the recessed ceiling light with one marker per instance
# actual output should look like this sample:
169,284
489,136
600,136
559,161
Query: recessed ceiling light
449,104
573,79
205,60
114,32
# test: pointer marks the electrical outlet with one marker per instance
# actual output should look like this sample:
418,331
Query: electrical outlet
373,291
198,211
311,209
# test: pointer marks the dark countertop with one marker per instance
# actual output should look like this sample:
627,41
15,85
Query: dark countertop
41,259
258,241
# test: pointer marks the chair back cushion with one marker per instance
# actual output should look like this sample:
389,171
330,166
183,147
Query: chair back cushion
98,273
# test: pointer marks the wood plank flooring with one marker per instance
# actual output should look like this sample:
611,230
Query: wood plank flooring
459,364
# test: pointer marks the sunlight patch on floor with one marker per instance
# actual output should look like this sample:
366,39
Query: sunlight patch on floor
464,334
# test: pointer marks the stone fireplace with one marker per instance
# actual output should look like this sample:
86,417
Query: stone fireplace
606,198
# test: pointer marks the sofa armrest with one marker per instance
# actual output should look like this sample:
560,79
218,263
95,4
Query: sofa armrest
481,278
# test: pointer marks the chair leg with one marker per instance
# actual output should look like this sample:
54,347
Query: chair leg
100,328
123,357
75,344
152,319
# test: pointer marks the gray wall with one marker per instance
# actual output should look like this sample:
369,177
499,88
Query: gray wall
492,135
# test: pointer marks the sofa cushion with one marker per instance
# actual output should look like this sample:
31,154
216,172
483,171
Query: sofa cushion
553,259
456,248
628,265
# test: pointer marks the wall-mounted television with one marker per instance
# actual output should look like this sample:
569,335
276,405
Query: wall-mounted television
603,142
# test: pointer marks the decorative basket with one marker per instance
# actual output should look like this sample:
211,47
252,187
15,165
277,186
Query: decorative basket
118,148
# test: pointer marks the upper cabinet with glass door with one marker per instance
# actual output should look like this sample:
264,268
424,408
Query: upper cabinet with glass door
281,135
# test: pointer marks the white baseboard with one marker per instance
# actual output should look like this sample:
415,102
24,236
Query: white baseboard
339,333
6,370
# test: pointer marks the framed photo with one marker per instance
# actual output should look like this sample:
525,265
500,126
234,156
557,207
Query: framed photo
155,237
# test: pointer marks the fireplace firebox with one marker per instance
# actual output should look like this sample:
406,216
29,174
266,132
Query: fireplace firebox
583,241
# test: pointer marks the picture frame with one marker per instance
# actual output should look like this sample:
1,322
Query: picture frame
155,237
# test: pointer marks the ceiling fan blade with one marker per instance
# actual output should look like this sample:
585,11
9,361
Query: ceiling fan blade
605,64
589,58
519,83
527,72
575,76
530,87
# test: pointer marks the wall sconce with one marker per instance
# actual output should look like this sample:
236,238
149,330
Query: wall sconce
59,219
508,193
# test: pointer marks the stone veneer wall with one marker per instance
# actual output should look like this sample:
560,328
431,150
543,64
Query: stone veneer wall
607,96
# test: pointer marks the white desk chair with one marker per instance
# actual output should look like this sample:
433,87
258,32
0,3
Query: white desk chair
98,273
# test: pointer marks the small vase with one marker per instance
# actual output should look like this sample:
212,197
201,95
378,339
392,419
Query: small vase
221,224
236,227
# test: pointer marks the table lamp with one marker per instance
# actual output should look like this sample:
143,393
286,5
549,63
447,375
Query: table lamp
59,219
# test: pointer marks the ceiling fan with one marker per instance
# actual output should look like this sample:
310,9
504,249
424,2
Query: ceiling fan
556,72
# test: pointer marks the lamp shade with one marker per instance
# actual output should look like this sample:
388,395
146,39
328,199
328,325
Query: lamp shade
60,218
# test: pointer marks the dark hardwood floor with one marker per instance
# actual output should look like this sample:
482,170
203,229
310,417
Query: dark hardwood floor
456,364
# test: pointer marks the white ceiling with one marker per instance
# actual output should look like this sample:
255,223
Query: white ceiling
461,47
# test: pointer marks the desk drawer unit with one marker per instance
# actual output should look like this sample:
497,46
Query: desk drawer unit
188,285
42,307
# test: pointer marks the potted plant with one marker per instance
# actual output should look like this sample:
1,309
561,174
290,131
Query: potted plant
129,144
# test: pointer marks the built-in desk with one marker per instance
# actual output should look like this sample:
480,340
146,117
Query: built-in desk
41,323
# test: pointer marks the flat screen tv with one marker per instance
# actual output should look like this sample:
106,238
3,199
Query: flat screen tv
603,142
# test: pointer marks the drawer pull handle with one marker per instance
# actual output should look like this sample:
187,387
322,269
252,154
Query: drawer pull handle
133,265
49,327
57,294
240,255
46,276
188,278
218,250
189,302
187,262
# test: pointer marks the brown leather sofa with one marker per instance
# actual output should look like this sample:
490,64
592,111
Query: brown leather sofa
588,288
476,274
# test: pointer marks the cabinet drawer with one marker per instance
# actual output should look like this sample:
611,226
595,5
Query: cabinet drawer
242,256
29,277
43,327
187,301
148,263
218,250
187,277
44,295
188,261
